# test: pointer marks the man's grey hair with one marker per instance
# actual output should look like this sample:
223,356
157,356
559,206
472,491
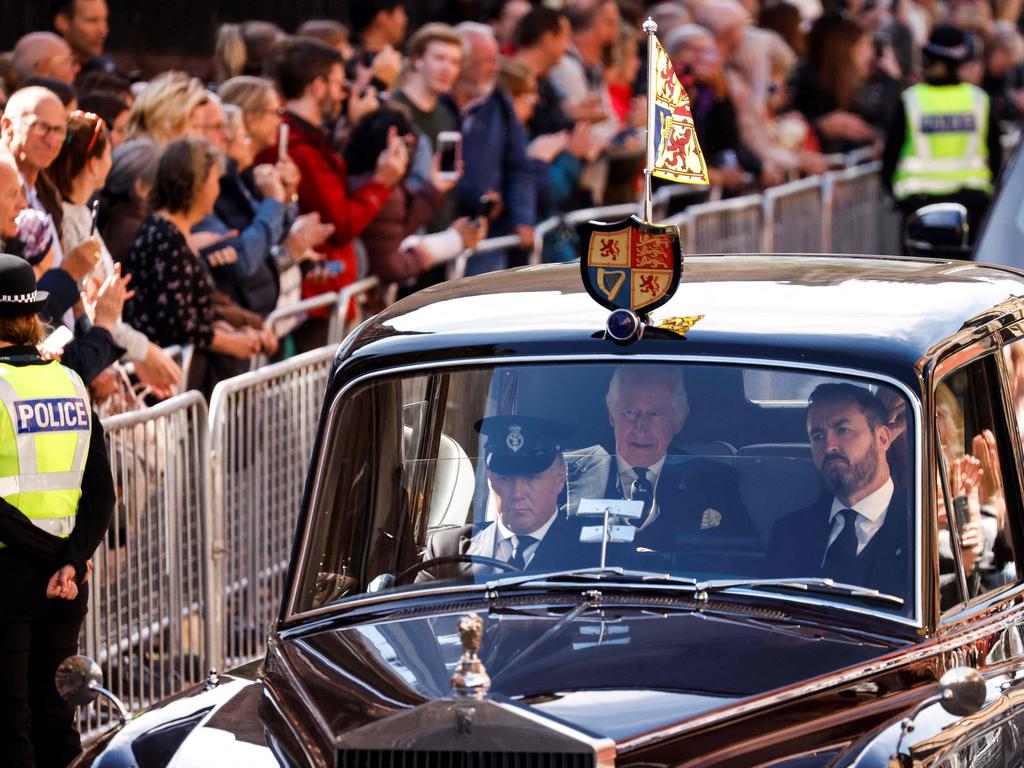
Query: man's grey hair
668,376
467,30
681,36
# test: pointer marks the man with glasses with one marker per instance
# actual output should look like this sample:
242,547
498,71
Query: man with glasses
33,130
686,499
44,54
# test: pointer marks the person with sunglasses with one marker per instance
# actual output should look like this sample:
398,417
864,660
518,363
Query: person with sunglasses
79,172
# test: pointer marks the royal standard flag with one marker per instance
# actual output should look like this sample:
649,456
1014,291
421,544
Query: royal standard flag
676,150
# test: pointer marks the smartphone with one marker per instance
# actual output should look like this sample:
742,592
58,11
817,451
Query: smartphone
449,148
485,206
282,140
56,341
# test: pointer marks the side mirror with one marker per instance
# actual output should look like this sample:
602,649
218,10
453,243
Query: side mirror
79,681
962,691
938,230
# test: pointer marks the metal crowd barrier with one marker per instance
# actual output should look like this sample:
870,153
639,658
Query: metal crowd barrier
262,426
735,225
854,201
793,220
145,625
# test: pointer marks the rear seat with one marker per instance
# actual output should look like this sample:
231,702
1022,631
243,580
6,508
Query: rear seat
776,479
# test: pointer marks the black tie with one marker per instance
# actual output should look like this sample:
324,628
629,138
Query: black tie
641,490
521,544
841,559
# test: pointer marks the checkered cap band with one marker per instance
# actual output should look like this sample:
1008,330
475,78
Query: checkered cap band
19,298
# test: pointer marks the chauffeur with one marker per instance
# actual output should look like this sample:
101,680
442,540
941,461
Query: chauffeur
526,474
56,501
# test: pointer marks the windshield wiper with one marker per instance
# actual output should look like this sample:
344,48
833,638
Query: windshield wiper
611,575
815,585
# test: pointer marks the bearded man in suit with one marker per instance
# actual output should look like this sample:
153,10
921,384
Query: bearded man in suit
859,530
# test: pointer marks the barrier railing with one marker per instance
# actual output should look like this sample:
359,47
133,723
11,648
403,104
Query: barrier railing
735,225
262,426
793,220
149,584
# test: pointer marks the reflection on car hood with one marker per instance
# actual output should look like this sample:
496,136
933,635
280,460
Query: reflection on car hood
652,667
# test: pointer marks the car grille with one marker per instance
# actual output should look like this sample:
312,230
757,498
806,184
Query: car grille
380,758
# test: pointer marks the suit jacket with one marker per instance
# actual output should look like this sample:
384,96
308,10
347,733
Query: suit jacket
558,550
698,502
798,541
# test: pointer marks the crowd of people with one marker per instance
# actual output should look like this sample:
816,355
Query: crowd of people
176,210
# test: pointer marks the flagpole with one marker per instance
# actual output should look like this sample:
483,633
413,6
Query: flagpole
650,27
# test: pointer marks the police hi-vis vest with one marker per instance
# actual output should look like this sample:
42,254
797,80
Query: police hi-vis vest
946,147
45,423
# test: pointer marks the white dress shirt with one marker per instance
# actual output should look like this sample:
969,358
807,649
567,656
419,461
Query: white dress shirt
870,516
627,476
504,545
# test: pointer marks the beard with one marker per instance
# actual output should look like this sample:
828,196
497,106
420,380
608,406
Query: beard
844,477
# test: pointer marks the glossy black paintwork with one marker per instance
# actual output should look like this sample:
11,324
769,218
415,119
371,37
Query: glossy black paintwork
865,313
650,664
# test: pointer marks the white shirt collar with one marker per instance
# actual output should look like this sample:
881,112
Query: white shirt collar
653,471
504,533
872,506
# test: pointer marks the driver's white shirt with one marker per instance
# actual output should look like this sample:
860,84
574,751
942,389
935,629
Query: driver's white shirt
503,544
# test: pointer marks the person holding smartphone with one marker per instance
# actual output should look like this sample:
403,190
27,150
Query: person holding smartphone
405,212
312,80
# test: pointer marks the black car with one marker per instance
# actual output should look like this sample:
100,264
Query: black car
711,606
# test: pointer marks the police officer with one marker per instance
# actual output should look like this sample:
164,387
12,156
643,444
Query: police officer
56,501
942,143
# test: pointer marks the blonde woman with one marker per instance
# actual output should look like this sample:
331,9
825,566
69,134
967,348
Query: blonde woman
163,110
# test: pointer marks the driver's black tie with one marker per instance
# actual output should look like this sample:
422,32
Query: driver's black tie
521,544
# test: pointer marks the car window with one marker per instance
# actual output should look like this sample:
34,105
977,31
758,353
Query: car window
467,475
973,513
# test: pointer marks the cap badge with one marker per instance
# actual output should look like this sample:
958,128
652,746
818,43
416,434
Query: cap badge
515,439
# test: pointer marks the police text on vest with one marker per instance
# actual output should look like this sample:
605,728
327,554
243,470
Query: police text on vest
53,414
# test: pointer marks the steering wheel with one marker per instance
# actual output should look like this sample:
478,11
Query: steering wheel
446,559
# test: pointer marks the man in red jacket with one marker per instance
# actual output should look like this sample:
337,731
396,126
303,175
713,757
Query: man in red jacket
311,77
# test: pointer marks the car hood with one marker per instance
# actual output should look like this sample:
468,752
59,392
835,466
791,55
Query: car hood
653,665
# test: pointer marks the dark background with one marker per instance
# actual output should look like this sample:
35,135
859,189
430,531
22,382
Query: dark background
151,35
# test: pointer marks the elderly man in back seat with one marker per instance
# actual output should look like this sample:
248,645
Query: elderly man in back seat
688,501
858,532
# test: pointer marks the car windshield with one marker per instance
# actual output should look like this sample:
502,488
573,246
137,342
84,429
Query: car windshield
667,474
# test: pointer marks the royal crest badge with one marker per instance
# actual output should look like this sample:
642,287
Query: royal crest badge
631,265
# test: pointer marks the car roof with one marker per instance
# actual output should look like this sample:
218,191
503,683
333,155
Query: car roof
875,313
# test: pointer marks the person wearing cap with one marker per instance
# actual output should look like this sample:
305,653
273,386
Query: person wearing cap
526,475
56,502
942,142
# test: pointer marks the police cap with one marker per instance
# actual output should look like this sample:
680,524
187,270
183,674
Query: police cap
18,294
949,43
520,445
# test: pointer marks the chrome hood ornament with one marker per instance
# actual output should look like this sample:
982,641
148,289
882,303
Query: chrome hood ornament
470,679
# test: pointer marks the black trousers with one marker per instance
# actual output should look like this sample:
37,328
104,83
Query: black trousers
37,727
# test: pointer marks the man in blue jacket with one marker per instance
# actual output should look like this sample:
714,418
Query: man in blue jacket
493,149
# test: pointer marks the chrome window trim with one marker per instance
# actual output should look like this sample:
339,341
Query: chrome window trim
915,621
991,345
